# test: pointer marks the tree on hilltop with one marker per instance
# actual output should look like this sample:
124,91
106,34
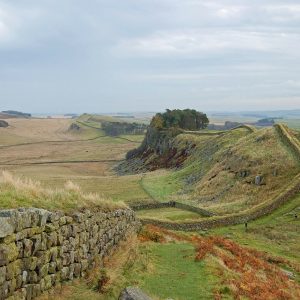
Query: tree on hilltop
188,119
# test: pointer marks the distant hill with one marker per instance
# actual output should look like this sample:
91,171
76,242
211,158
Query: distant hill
14,114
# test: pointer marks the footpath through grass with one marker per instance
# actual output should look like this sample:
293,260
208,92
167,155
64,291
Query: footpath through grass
175,274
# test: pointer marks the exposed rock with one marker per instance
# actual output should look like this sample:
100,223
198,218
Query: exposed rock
258,180
6,227
133,293
74,126
289,274
3,124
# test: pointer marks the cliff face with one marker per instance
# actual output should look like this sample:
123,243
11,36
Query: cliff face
159,149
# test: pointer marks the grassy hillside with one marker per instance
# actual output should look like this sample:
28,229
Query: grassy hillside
219,171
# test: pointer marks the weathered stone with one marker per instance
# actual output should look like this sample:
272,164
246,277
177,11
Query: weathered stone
4,289
8,253
24,276
77,270
30,263
62,221
66,258
71,272
258,180
52,268
43,257
53,254
9,239
37,243
51,239
32,277
7,226
2,274
65,273
19,281
20,248
133,293
28,245
43,270
59,264
84,265
50,228
43,216
13,269
48,282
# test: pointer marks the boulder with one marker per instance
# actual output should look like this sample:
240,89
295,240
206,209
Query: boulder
74,126
258,180
133,293
3,124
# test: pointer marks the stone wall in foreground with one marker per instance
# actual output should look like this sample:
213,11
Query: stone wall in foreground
40,249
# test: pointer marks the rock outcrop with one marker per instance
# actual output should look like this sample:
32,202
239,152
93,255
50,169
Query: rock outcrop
3,124
133,293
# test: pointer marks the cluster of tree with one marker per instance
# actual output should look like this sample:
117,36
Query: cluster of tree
265,122
188,119
119,128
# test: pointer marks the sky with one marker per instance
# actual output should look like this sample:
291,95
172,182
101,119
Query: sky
147,55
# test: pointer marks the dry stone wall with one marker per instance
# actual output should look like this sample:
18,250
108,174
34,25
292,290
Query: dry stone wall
158,205
40,249
243,217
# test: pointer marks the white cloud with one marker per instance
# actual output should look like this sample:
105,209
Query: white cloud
210,42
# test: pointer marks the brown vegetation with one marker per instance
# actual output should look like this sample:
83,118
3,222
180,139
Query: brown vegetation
248,273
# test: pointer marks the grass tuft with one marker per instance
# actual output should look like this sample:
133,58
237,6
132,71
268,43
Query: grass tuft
23,192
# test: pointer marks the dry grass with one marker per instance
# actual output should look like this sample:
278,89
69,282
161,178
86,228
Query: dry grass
16,192
96,177
246,272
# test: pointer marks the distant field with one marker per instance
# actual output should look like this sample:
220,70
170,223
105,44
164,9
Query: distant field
45,150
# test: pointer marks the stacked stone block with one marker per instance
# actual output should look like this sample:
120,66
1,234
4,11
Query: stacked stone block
40,249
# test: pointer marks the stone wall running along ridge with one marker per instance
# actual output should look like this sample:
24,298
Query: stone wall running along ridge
40,249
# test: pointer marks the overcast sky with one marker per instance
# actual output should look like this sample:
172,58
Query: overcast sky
148,55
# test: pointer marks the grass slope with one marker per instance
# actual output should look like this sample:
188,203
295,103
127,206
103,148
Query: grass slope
277,233
219,174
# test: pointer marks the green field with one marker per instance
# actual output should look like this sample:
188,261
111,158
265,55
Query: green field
169,213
